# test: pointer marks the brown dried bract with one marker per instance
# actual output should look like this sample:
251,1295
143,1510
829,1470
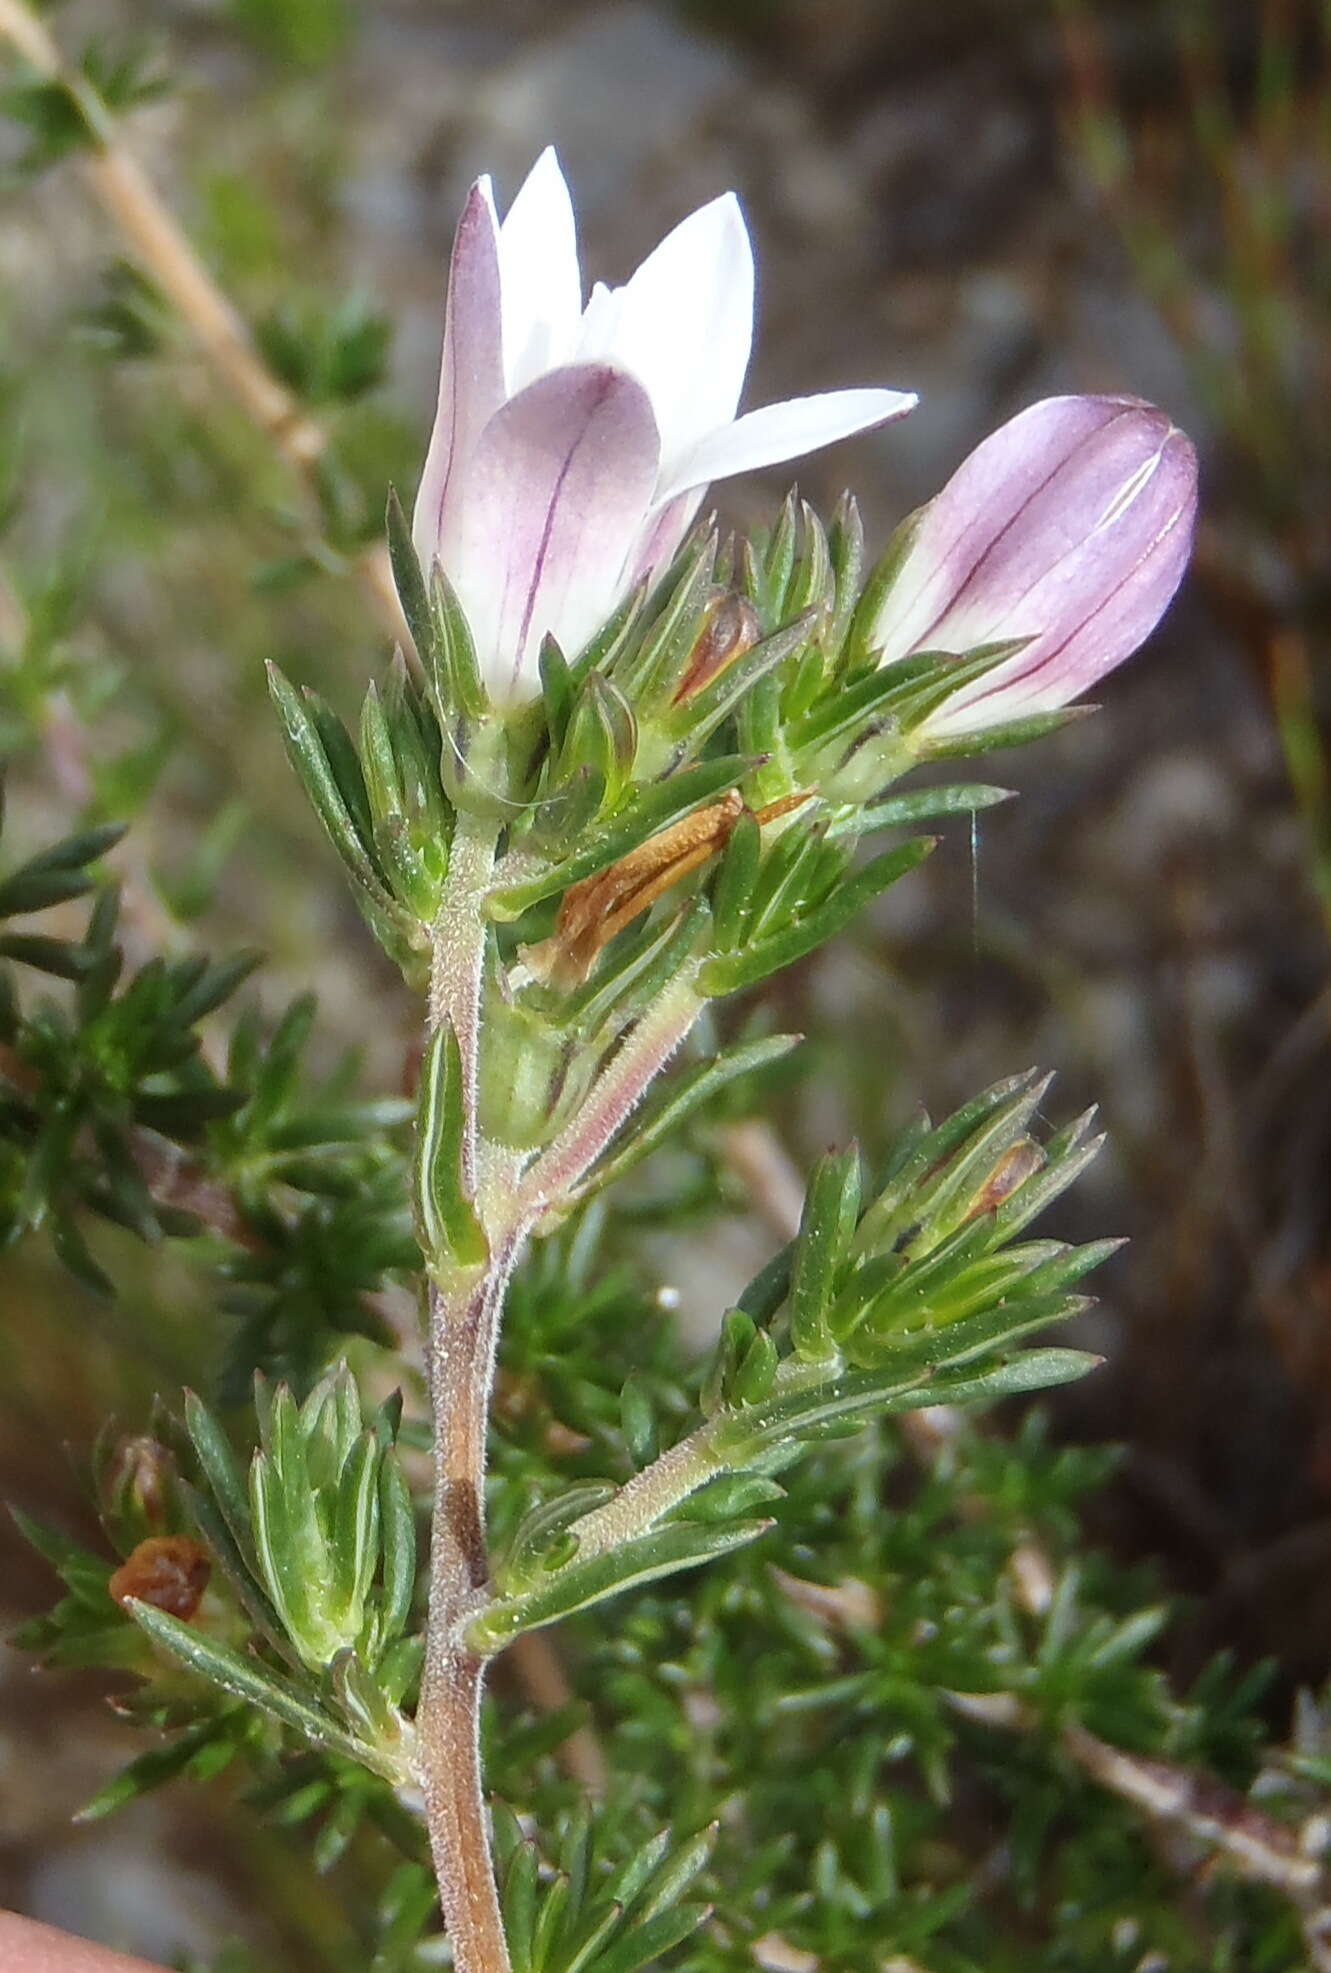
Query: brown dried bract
169,1571
598,908
1020,1162
731,629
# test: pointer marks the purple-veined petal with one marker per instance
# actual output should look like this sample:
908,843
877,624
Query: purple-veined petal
1056,553
683,325
1071,543
785,431
1140,560
542,282
1026,496
471,380
556,496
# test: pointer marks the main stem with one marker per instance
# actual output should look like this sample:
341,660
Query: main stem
464,1311
464,1314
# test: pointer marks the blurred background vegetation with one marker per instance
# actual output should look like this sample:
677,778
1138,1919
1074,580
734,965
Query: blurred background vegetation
983,200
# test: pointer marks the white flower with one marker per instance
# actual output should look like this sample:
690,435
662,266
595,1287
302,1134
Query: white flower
572,446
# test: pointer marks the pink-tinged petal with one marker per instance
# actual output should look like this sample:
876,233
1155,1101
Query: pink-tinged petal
684,324
663,535
557,494
471,378
542,282
785,431
1139,562
1020,501
1054,552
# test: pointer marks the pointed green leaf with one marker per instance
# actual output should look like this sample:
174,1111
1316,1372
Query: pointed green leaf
447,1226
306,751
735,880
831,1209
246,1679
734,971
408,579
672,1546
398,1521
922,805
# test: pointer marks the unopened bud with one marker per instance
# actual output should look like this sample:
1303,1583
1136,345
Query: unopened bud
1068,531
731,628
136,1486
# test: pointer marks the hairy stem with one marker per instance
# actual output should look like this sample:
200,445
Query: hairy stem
464,1310
461,1347
463,1331
458,959
450,1776
617,1092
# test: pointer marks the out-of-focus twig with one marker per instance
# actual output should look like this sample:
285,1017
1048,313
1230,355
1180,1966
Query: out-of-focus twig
1185,1800
766,1172
536,1666
130,200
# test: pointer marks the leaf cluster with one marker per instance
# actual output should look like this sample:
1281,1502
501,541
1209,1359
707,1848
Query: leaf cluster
591,1914
816,1676
112,1109
313,1553
918,1296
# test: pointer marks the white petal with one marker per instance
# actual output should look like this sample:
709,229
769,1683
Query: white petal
785,431
471,384
685,326
554,503
542,283
663,535
600,320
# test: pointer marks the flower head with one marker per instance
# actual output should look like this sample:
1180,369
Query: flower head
573,444
1070,528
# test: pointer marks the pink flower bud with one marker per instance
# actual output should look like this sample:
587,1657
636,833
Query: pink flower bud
1070,527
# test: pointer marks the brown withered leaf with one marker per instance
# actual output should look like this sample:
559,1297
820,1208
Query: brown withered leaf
595,910
169,1571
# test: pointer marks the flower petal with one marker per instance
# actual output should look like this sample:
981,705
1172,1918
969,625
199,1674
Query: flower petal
663,535
1057,554
1006,514
1098,622
683,324
557,493
471,383
542,282
784,431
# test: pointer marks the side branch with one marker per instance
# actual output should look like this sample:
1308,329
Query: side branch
619,1089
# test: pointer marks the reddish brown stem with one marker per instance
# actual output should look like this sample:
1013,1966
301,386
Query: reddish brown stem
463,1329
